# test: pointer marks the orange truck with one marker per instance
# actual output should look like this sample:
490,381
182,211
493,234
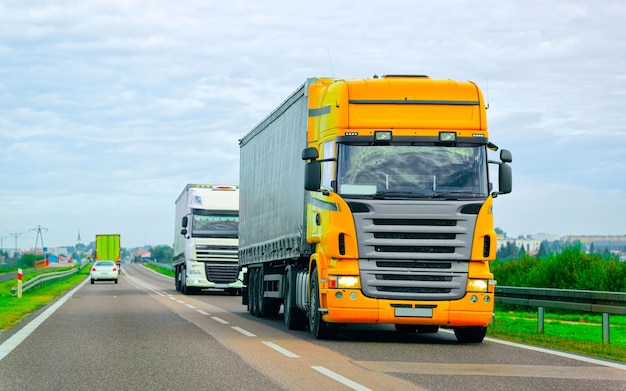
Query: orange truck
370,201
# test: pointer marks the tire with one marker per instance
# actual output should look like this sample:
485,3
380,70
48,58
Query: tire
92,281
267,307
183,281
295,319
115,280
177,278
319,328
470,334
252,292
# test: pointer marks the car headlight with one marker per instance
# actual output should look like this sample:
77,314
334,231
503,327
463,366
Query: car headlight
343,282
478,285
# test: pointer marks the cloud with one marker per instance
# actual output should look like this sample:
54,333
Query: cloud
108,108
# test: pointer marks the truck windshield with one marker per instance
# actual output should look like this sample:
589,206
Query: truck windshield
214,225
389,171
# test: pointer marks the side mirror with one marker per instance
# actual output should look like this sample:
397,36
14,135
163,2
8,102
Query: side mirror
505,178
506,156
312,176
185,221
312,170
310,153
183,231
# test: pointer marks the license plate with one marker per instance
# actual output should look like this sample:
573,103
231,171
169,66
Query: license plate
414,312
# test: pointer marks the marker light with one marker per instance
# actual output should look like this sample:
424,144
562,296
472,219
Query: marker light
447,136
382,136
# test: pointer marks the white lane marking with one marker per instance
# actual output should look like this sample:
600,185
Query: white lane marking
143,284
281,349
341,379
573,356
591,360
203,312
222,321
190,306
244,332
17,338
180,301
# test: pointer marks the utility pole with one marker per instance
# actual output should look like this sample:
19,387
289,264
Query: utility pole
39,228
15,235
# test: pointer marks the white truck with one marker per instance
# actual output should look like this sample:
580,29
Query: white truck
206,239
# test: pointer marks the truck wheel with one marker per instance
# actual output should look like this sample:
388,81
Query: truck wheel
319,328
252,292
267,307
177,278
470,334
295,319
183,281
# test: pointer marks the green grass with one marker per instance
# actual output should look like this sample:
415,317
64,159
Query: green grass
14,309
160,269
576,333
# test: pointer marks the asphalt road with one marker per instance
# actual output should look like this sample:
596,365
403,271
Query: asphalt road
143,335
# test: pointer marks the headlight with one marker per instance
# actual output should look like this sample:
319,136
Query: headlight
478,286
343,282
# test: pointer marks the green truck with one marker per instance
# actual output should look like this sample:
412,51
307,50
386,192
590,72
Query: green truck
108,248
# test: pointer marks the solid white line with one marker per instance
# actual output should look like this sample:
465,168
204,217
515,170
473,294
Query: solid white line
591,360
203,312
222,321
573,356
341,379
17,338
244,332
280,349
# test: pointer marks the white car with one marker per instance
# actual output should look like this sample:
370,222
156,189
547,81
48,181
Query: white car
104,271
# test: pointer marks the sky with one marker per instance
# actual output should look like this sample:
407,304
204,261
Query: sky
109,107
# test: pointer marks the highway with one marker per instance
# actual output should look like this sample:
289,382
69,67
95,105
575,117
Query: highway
140,334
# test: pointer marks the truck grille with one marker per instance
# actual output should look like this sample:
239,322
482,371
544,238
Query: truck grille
418,250
216,253
221,273
221,263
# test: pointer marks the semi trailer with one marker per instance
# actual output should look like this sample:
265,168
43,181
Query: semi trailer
371,201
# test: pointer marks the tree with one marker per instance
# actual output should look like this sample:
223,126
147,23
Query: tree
163,254
543,249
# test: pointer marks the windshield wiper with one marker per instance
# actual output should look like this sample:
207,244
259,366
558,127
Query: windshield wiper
395,194
443,194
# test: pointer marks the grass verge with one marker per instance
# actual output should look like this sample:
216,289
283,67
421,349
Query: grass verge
573,333
14,309
160,269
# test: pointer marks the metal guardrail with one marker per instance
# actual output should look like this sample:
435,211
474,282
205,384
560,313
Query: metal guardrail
605,303
47,278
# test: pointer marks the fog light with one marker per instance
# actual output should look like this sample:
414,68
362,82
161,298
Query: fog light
353,295
487,299
339,295
473,298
